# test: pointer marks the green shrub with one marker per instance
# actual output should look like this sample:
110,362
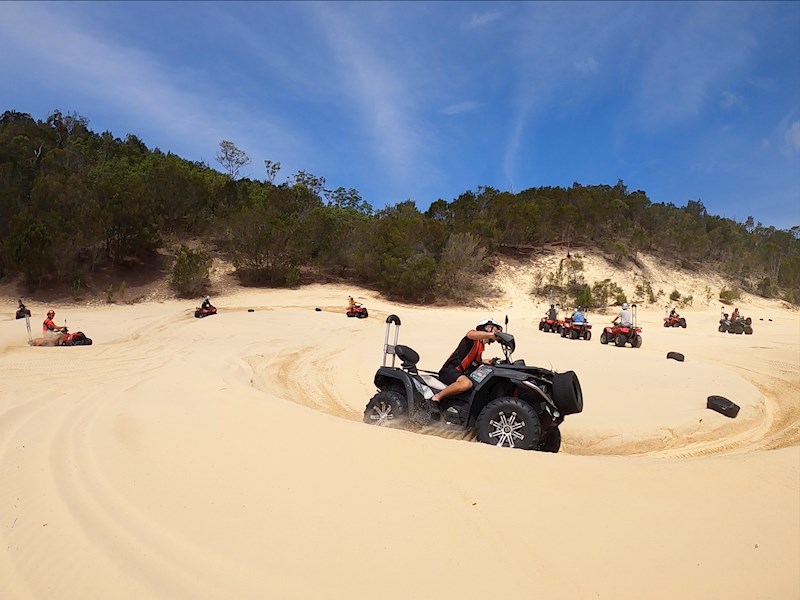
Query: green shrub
675,295
190,271
729,296
584,297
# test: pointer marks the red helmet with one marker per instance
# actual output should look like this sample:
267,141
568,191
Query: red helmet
51,313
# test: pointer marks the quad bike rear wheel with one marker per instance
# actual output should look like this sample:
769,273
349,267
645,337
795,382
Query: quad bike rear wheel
509,422
620,340
573,334
588,335
666,323
387,407
636,342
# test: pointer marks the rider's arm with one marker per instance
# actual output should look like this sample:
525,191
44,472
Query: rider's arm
481,335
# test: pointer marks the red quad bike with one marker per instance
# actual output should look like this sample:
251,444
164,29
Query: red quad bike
358,311
576,331
551,325
204,312
511,404
75,339
623,335
674,322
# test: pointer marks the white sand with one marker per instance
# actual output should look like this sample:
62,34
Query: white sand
226,458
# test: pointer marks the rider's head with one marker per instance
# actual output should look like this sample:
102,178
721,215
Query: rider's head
51,313
486,323
624,306
552,306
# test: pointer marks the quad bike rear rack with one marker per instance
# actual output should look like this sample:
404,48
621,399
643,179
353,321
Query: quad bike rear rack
390,349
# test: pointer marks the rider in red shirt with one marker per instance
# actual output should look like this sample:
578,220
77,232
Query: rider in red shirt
465,359
49,326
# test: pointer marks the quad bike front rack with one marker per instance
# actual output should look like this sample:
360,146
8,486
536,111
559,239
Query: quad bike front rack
387,347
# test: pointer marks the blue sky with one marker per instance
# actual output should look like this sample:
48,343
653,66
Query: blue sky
426,100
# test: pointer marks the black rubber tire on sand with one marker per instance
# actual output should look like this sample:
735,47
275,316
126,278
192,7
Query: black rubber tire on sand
636,342
509,422
675,356
604,338
619,341
588,335
385,408
683,323
748,330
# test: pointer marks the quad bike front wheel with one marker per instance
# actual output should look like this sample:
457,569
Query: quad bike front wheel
387,407
604,338
683,322
509,422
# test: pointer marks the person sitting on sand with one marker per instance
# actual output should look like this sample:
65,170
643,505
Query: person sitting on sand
48,326
466,358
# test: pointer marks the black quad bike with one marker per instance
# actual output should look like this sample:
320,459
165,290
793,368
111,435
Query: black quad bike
511,404
738,326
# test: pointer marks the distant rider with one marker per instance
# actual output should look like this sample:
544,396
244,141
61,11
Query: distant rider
552,314
735,314
206,305
351,304
578,316
673,314
623,319
21,310
48,326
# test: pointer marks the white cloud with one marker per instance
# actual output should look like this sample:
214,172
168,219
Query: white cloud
587,66
482,19
378,95
792,136
730,100
134,83
461,107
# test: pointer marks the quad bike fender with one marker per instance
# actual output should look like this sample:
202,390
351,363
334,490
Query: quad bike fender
393,377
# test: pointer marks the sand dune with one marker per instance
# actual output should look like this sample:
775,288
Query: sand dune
226,458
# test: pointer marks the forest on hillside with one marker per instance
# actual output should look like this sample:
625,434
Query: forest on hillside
73,201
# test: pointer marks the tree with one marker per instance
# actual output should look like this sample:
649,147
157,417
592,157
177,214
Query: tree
272,170
232,158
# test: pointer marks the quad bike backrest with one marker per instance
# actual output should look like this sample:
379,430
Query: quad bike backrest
408,356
